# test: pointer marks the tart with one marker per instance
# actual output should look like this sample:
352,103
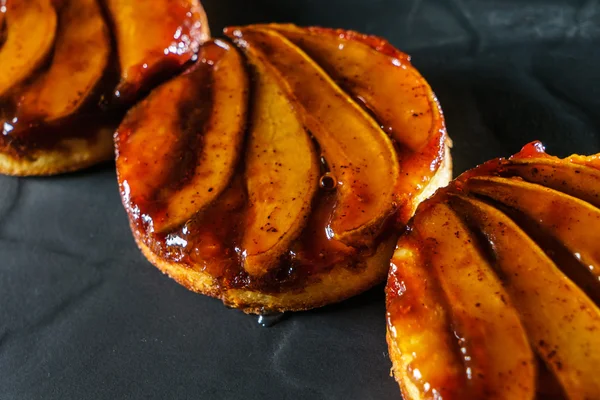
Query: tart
64,87
494,291
274,173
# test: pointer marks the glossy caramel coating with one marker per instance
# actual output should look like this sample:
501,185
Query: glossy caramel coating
521,234
59,70
259,246
155,38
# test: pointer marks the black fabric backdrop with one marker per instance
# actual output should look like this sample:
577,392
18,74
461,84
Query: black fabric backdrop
84,316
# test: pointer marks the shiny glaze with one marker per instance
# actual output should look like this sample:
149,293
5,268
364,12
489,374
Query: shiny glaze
411,116
154,40
211,241
23,135
26,128
350,140
554,221
30,29
48,108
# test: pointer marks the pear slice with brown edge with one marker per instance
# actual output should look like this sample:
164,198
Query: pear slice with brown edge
572,221
30,31
573,179
191,127
484,319
58,92
424,352
561,321
282,172
155,39
387,84
361,157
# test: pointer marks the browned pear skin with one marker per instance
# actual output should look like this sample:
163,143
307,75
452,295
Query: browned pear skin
576,180
153,138
282,172
30,31
556,212
389,86
562,323
62,89
155,38
483,317
426,344
350,140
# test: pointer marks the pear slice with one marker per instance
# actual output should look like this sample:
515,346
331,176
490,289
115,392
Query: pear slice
30,30
570,178
282,172
179,147
424,352
483,318
361,157
155,39
572,221
62,89
386,84
561,321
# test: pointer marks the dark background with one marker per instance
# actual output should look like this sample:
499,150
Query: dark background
84,316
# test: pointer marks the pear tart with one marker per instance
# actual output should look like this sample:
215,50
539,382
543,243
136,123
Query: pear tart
61,92
494,292
274,173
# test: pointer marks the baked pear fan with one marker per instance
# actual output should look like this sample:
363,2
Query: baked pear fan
494,291
272,174
59,71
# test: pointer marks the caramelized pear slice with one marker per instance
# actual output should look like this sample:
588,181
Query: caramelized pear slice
563,324
570,178
150,140
572,221
30,30
82,35
281,171
484,320
197,117
388,85
155,38
360,155
426,348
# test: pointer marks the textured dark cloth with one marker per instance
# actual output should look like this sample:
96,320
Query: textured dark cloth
84,316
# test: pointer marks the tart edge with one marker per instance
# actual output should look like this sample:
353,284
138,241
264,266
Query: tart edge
69,155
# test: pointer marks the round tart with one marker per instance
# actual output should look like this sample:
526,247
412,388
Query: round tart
61,92
494,291
276,171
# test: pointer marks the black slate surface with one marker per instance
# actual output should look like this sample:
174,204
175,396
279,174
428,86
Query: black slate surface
84,316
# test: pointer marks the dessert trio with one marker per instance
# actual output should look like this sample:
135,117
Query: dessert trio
280,168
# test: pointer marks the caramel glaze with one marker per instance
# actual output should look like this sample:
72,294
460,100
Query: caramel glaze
397,304
23,136
211,241
502,167
182,29
417,167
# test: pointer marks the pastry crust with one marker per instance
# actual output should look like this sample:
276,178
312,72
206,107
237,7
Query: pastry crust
66,156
